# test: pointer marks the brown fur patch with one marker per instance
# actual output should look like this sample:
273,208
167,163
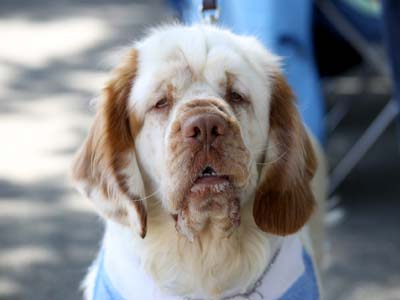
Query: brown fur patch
284,200
135,124
110,143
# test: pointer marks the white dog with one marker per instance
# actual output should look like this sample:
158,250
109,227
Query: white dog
202,169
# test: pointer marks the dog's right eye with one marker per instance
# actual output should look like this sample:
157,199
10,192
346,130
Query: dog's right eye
235,97
162,103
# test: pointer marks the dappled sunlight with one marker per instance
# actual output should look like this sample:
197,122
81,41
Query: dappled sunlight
25,209
86,81
36,134
78,203
8,287
22,257
35,44
7,75
54,59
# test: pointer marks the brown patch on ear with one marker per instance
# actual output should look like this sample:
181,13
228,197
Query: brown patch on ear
135,125
109,149
284,199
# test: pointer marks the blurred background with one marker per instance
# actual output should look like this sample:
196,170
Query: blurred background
54,58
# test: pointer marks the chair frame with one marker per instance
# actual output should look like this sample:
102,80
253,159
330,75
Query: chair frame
384,118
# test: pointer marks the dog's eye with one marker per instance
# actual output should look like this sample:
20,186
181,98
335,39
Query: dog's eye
235,97
162,103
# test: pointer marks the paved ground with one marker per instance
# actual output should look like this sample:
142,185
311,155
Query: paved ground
53,59
364,247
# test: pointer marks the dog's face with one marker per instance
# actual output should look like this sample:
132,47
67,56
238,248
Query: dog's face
203,119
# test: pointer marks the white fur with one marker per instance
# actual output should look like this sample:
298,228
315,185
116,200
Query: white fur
180,267
211,52
209,267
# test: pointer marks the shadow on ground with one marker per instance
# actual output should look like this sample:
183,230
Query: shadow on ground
56,59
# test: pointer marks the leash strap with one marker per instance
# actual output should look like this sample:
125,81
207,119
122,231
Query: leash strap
209,4
209,12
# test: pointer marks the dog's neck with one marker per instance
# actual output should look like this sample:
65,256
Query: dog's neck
207,267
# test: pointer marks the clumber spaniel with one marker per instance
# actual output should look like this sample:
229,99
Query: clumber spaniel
202,169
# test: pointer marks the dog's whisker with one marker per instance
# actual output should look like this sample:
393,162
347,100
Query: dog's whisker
148,196
272,161
266,148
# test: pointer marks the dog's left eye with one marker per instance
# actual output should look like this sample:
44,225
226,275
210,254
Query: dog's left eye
235,97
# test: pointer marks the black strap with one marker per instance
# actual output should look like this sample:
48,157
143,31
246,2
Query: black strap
209,5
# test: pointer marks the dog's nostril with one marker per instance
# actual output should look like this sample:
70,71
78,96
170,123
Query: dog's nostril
216,131
204,128
196,132
192,131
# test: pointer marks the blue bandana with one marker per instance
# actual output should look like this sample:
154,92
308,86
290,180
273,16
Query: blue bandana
304,288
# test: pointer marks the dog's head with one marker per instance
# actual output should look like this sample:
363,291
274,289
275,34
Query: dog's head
202,121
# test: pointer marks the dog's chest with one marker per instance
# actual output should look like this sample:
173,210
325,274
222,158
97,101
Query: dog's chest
288,273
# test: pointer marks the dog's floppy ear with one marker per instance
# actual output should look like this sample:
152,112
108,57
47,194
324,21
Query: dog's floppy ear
284,200
105,168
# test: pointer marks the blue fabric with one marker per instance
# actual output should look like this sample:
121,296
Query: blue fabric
283,26
103,289
306,287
